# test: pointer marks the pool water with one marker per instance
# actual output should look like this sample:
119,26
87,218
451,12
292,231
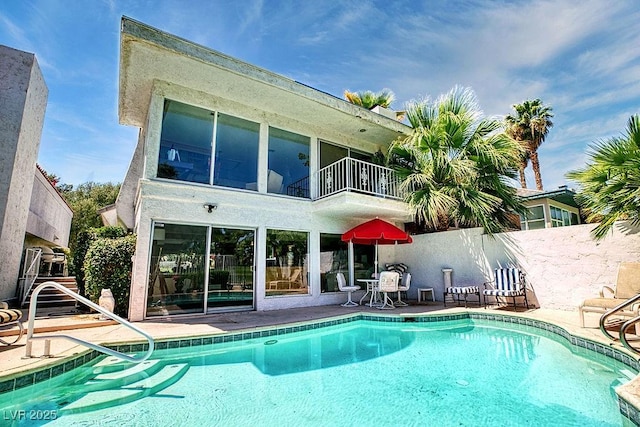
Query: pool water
362,373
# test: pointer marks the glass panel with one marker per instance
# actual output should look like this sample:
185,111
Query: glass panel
330,153
185,143
288,163
236,157
574,218
286,266
364,262
535,212
231,268
176,276
536,225
333,259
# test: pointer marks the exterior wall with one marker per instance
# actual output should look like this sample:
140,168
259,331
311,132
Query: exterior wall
182,202
564,265
23,99
49,216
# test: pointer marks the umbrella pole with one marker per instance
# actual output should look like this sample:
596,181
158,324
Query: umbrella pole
352,264
376,261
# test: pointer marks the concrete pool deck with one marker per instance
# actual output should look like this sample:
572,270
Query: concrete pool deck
89,327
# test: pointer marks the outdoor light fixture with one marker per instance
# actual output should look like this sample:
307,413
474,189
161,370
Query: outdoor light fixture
210,207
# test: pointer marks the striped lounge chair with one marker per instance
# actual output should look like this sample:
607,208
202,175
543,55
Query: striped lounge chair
9,316
508,282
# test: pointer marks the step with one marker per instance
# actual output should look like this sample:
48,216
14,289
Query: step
137,372
94,400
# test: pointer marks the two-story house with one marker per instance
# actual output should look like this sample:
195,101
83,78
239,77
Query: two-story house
243,181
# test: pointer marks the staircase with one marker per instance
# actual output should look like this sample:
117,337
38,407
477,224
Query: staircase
115,382
52,298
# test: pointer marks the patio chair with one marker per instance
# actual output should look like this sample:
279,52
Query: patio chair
508,282
388,283
403,287
342,286
9,316
627,286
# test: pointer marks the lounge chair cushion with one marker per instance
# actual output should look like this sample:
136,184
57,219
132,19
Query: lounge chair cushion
604,303
8,315
463,290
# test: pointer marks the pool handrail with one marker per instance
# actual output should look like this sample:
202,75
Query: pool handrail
97,347
613,311
623,334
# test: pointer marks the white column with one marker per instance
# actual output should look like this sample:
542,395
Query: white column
447,282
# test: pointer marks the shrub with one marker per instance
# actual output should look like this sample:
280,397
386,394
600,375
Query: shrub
83,241
107,265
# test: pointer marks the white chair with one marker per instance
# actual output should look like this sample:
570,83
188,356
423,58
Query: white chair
388,283
403,287
342,285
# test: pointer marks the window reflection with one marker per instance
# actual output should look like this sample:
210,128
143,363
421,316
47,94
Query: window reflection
237,143
286,263
185,143
288,163
333,260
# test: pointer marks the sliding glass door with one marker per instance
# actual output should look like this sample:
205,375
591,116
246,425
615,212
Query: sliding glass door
195,269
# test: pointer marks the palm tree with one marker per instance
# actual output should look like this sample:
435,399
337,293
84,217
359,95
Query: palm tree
530,126
455,165
611,180
369,99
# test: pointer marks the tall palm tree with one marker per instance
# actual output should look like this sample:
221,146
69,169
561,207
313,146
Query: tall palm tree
611,180
455,165
530,126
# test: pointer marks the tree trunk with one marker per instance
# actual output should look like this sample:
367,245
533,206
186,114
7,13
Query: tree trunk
535,164
523,179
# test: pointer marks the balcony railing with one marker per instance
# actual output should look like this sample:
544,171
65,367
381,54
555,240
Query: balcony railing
357,176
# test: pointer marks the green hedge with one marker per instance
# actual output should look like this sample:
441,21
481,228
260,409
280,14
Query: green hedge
83,241
107,265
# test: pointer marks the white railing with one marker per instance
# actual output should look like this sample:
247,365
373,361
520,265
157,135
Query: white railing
97,347
349,174
30,272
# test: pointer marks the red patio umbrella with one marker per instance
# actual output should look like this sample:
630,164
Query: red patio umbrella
376,232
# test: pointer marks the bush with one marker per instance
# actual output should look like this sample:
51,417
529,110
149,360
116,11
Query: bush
83,241
107,265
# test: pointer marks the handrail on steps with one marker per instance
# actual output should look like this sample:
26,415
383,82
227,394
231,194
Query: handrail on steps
623,334
613,311
97,347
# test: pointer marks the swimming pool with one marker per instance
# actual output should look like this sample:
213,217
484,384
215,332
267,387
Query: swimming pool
353,372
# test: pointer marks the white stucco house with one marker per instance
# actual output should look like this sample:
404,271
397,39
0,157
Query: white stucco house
242,181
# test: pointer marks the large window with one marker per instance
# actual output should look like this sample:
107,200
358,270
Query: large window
236,143
186,143
288,163
287,262
333,260
534,219
562,217
188,276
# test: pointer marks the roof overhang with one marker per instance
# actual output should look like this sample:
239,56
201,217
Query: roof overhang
563,195
148,55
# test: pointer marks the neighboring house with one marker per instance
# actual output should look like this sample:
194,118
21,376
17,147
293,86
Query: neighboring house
34,219
242,181
547,209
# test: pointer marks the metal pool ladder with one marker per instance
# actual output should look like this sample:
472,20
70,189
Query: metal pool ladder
625,326
97,347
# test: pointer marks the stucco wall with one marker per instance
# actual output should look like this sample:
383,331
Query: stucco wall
49,216
563,265
23,99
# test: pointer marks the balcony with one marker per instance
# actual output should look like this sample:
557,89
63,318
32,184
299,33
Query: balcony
346,187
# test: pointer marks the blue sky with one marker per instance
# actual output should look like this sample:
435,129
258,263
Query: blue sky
580,57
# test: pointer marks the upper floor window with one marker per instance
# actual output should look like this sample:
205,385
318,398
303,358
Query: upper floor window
534,218
187,140
185,143
288,163
562,217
